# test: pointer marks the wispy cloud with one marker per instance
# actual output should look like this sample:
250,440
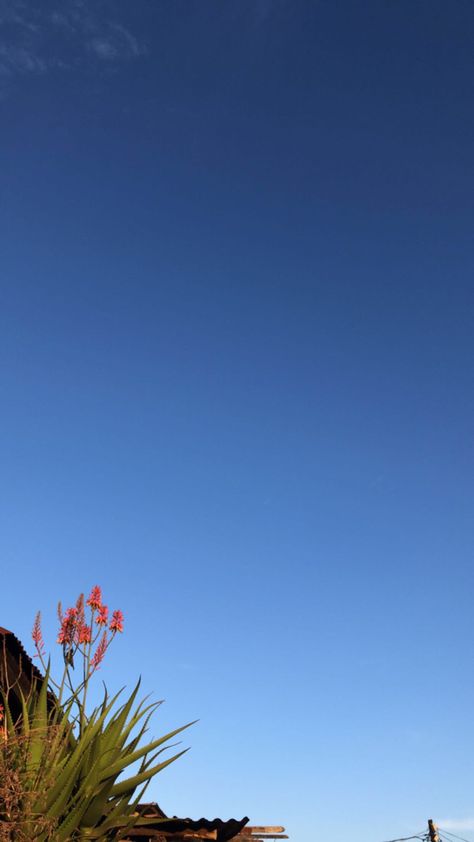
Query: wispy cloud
465,825
18,59
38,37
115,42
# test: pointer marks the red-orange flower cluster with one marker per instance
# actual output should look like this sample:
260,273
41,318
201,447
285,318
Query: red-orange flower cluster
68,628
37,635
77,632
95,598
98,656
84,634
103,616
116,623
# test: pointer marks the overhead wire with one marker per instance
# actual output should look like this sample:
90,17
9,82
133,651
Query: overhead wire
444,835
415,836
448,833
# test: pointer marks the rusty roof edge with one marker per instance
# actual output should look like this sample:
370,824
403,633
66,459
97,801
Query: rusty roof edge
226,829
153,805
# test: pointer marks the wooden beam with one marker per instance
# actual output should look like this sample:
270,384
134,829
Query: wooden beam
188,835
258,837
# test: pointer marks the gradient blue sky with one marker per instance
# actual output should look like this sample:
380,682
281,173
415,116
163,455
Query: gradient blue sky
236,336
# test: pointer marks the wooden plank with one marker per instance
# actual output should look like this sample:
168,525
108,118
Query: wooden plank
258,837
188,835
250,830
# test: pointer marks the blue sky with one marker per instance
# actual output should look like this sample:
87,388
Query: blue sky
236,321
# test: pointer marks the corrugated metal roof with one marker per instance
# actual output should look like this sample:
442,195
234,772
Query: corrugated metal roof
225,830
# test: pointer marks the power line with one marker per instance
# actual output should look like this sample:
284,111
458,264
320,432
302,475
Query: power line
448,833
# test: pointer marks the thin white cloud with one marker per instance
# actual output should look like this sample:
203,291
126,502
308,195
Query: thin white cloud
128,40
40,37
457,824
17,59
115,43
103,49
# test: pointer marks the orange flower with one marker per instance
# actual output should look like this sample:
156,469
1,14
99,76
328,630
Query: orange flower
37,634
67,632
95,598
80,608
116,623
99,652
102,616
84,634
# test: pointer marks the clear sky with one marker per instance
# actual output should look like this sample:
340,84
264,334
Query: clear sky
236,337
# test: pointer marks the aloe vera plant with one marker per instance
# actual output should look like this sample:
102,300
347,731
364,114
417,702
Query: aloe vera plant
74,767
